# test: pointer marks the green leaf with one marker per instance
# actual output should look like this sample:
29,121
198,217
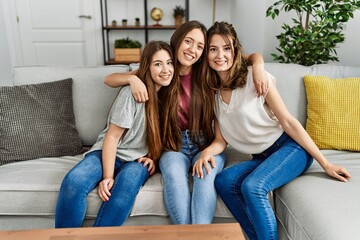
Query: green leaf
316,44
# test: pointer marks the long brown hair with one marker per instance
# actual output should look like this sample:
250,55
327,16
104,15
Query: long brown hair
201,105
238,71
153,136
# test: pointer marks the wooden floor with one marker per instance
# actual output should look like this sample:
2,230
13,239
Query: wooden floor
221,231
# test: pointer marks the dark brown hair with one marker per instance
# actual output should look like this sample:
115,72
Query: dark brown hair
238,71
153,136
201,105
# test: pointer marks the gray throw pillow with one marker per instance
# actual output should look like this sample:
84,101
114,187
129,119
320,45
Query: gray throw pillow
37,121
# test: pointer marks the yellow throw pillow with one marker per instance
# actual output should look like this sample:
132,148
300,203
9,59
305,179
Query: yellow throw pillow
333,112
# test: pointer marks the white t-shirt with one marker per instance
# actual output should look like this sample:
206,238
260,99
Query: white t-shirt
247,123
126,113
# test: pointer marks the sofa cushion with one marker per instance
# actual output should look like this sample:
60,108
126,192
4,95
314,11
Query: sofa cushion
37,121
92,98
333,112
316,206
35,193
31,194
290,84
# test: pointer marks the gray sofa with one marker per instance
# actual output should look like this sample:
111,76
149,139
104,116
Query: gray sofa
313,206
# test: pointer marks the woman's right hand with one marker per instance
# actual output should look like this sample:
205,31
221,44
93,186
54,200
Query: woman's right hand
104,188
138,89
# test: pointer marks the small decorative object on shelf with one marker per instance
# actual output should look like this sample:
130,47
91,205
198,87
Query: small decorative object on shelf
127,25
114,23
137,21
156,15
124,22
127,50
179,14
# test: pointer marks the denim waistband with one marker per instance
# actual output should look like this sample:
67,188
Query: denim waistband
270,150
185,132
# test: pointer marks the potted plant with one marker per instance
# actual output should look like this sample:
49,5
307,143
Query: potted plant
137,21
124,22
127,50
179,14
315,33
114,23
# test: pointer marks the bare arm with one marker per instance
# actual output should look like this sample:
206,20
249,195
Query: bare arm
119,79
295,130
259,74
111,140
207,155
138,88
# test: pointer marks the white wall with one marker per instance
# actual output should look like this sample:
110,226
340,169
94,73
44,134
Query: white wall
256,32
5,60
248,17
349,51
202,10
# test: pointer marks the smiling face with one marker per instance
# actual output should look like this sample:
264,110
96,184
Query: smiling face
190,49
221,54
161,68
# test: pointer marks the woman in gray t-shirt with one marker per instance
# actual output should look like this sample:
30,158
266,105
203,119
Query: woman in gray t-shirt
125,153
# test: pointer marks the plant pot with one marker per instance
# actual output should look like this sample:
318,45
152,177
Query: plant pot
179,20
127,54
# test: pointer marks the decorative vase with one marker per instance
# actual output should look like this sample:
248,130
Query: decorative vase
179,20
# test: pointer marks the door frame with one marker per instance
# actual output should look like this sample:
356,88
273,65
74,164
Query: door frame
14,39
12,32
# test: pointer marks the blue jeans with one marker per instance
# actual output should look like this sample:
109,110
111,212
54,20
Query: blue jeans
244,187
84,177
183,206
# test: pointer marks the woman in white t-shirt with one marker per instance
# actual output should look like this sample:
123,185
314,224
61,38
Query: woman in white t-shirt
281,148
125,153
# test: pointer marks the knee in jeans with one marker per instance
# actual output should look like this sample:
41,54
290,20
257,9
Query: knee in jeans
221,182
138,167
252,186
71,186
173,173
165,164
136,170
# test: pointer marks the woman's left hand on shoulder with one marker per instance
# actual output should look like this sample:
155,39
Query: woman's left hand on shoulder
148,162
260,79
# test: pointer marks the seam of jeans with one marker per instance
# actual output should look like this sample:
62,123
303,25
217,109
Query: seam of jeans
169,204
238,192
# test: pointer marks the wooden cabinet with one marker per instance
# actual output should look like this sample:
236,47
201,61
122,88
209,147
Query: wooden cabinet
145,27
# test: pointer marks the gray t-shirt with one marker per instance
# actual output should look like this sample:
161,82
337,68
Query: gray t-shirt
126,113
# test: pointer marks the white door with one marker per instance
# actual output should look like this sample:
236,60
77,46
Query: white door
57,32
